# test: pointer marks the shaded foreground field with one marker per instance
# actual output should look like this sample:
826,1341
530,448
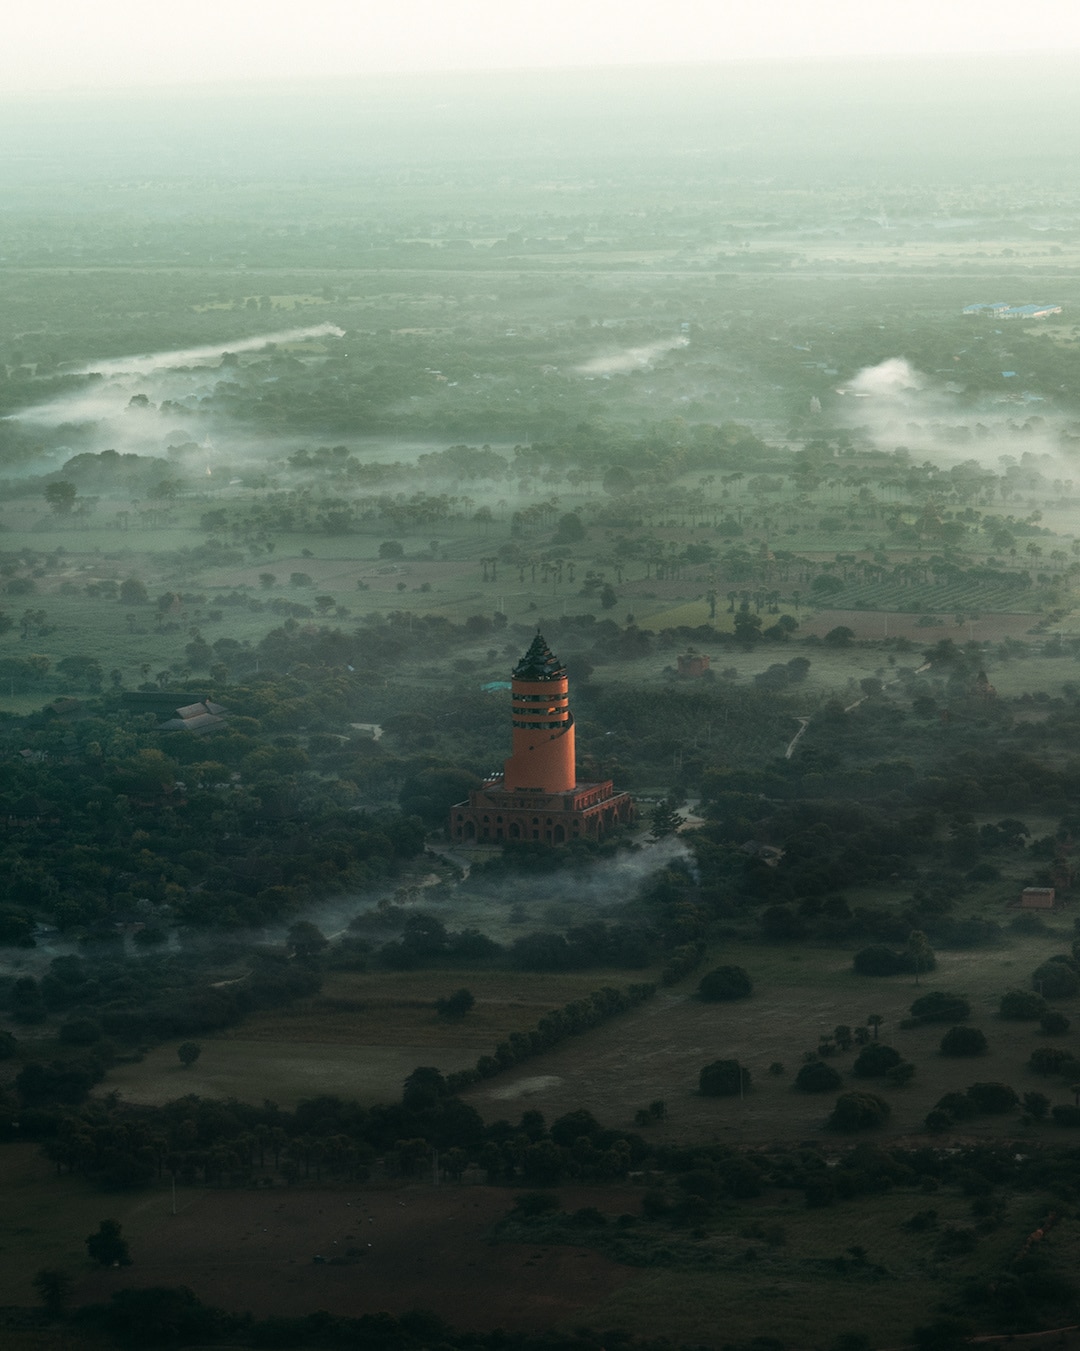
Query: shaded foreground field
440,1249
422,1247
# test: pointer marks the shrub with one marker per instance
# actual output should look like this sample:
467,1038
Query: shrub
726,982
1056,979
993,1097
1051,1060
901,1074
531,1204
817,1077
455,1006
1065,1114
858,1111
723,1079
878,960
938,1121
1053,1022
940,1007
1022,1005
875,1060
963,1041
958,1106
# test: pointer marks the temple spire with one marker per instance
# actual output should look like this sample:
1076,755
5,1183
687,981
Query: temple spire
539,663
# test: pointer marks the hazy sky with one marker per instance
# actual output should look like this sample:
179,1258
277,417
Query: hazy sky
65,44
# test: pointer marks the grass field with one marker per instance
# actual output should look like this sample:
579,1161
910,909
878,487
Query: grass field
359,1039
658,1049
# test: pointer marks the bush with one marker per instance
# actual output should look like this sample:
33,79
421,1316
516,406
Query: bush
1052,1060
941,1007
963,1041
858,1111
1022,1005
1053,1023
726,982
723,1079
531,1204
878,960
817,1077
1064,1114
993,1097
875,1060
957,1106
1056,979
454,1007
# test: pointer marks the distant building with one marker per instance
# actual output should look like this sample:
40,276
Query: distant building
693,665
200,717
537,796
1000,309
1037,898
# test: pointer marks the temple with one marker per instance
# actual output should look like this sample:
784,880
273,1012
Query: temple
537,796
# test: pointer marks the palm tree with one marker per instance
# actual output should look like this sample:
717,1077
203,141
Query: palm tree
875,1020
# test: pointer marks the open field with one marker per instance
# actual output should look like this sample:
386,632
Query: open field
359,1039
800,995
368,1031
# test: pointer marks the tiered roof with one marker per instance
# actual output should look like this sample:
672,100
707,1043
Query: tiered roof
539,663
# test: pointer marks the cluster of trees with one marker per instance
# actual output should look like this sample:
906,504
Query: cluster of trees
238,831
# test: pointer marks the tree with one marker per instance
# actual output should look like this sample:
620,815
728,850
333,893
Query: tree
1053,1022
608,598
1036,1105
879,960
189,1052
875,1020
665,820
53,1287
875,1060
725,982
841,636
963,1041
306,940
1056,979
817,1077
1022,1005
993,1097
106,1247
454,1007
920,953
746,625
391,548
133,592
60,496
723,1079
858,1111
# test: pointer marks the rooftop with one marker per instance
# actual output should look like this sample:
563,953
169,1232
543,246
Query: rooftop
539,663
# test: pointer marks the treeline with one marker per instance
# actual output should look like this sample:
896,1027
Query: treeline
578,1016
234,832
169,1316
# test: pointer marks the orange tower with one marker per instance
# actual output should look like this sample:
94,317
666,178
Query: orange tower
542,759
537,797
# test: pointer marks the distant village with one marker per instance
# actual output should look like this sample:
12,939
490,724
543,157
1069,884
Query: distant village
1001,309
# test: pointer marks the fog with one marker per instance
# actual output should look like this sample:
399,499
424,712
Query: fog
896,405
